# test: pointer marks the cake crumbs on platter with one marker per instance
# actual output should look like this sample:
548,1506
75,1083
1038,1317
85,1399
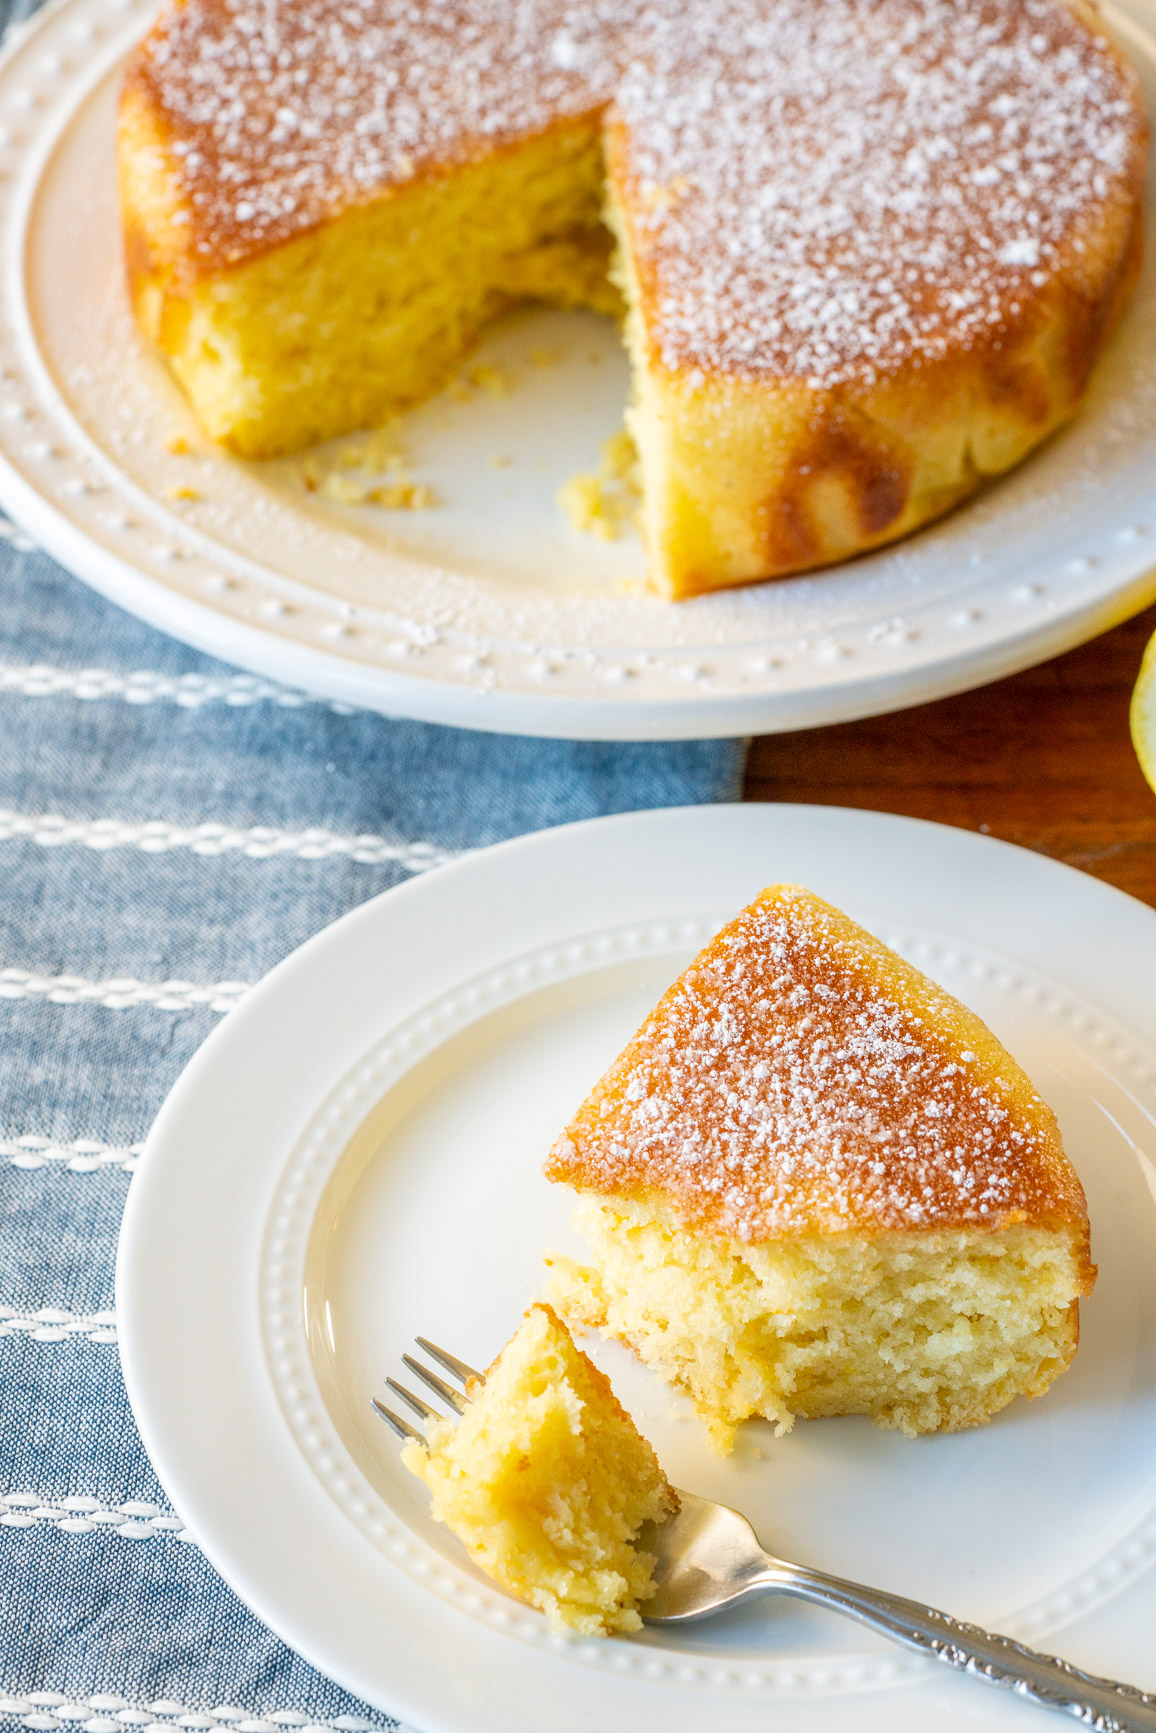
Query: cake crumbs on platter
392,496
605,503
403,496
342,489
581,502
382,449
494,381
351,474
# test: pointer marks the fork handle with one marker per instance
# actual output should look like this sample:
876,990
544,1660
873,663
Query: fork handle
1098,1703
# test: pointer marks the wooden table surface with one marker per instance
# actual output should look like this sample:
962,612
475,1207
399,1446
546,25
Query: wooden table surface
1042,759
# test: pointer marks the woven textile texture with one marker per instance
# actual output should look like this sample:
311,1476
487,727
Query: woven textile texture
169,829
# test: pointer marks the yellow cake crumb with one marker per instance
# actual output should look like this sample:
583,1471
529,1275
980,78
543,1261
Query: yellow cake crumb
548,1483
343,490
403,496
380,454
580,498
605,503
620,459
492,380
178,445
182,493
382,450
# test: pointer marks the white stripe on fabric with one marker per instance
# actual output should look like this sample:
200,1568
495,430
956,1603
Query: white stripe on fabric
259,842
9,532
121,993
191,691
83,1156
50,1324
135,1520
101,1713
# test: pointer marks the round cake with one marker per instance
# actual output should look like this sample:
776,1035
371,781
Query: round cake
869,250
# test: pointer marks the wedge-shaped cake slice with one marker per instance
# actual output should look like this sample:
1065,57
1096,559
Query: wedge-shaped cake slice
814,1183
548,1483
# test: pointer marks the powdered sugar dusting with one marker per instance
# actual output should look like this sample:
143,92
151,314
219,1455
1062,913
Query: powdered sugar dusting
860,183
798,1077
283,112
823,190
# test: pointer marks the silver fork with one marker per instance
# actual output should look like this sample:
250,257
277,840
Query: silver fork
708,1557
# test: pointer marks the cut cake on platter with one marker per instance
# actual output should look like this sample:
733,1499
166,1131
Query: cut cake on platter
814,1184
870,249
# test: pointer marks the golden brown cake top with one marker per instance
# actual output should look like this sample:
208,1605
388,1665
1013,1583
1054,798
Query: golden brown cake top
868,183
800,1077
823,189
282,113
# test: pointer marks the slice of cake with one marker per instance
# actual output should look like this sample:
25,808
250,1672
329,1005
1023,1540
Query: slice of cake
814,1183
548,1483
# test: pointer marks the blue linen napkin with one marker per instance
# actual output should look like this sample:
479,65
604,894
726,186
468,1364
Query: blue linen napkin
169,829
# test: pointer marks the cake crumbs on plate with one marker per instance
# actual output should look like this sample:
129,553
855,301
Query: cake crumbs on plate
494,381
403,496
605,503
368,470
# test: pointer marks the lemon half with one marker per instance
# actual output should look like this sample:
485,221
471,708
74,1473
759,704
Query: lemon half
1143,714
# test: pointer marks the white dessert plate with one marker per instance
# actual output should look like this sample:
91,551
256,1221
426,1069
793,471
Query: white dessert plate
489,611
355,1157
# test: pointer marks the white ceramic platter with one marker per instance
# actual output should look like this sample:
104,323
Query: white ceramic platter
490,611
366,1132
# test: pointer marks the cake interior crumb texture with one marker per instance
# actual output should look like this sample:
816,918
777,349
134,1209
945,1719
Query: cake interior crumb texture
926,1331
339,328
548,1483
815,1183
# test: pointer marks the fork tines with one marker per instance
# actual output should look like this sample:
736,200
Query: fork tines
453,1399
